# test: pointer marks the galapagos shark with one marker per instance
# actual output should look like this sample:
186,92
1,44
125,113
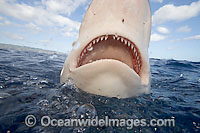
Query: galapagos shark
110,57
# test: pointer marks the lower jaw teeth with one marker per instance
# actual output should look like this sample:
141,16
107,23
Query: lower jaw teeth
90,49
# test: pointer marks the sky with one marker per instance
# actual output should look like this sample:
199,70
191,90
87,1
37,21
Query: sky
54,25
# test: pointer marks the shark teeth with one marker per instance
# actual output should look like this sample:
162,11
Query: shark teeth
85,51
94,42
102,38
129,44
132,47
122,40
97,40
106,38
90,49
126,42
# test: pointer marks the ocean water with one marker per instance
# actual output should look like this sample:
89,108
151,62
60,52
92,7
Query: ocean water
29,84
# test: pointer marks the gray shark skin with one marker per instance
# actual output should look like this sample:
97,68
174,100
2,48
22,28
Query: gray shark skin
110,57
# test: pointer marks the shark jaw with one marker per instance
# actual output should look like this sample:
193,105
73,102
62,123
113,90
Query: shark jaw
112,58
111,47
109,65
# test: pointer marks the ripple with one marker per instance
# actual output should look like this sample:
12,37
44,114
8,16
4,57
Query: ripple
34,88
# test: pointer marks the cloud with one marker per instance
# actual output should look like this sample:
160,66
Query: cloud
159,1
8,23
38,15
184,29
63,6
29,26
45,41
13,36
176,13
68,32
5,22
157,37
175,40
170,48
33,27
71,34
163,30
196,37
1,18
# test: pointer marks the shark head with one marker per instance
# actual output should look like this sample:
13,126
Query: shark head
110,57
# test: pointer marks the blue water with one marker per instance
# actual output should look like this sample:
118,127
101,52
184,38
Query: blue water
29,84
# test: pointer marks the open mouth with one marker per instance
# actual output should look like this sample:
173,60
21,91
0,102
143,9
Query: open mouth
111,47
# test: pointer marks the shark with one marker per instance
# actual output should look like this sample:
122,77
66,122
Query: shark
110,57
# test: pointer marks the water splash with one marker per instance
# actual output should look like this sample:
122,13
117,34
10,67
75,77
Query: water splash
86,111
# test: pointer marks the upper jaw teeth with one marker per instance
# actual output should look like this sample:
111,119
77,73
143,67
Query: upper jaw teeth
129,44
94,42
106,38
97,40
102,38
132,47
126,42
122,40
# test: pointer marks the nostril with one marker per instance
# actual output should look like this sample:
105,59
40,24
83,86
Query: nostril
122,20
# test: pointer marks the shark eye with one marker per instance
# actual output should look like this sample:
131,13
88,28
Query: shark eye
111,47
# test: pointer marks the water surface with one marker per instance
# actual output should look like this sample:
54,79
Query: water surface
29,84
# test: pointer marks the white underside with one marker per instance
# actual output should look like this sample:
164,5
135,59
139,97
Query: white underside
108,77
